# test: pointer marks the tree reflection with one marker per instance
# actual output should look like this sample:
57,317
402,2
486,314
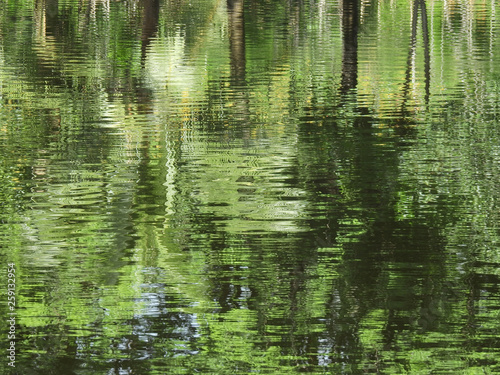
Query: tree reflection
419,8
237,56
150,16
387,244
235,11
350,26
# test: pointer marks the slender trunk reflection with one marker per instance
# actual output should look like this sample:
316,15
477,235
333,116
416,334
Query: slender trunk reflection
241,110
349,78
51,10
427,57
150,16
417,5
350,25
236,20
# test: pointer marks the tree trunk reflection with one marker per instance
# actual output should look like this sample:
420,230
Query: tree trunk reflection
350,25
418,5
150,16
236,20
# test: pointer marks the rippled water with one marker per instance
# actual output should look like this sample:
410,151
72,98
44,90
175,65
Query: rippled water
250,187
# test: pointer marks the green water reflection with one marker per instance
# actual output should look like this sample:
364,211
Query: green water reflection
233,187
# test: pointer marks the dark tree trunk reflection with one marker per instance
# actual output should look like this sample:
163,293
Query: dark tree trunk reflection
418,7
236,20
150,16
350,25
427,57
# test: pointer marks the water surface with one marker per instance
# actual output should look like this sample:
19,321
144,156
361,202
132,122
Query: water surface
233,187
